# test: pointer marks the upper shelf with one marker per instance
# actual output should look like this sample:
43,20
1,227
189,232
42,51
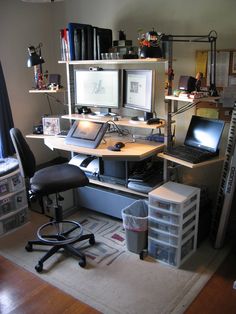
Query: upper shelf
116,61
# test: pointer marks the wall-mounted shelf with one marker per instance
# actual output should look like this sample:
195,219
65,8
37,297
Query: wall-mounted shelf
47,91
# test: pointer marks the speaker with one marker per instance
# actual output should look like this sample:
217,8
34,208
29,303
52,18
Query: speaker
187,83
54,79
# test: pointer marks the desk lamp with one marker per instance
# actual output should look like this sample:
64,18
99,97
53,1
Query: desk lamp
35,60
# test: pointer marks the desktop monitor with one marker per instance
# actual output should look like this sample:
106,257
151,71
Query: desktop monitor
138,90
97,89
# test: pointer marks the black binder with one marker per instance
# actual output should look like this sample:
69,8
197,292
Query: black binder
102,39
81,41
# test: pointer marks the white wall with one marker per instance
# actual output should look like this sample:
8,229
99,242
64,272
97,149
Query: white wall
23,24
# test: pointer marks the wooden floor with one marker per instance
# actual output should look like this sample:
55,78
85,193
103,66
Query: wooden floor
22,292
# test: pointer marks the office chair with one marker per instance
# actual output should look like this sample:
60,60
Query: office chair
58,233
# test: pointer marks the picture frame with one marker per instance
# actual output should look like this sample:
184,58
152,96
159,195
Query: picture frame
138,89
233,68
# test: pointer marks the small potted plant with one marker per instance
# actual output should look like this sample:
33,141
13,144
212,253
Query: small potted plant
149,45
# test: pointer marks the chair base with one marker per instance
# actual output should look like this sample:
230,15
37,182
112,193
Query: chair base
59,241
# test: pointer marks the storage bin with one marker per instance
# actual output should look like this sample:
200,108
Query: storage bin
163,237
162,252
11,183
163,226
4,188
173,222
164,216
13,220
12,202
155,202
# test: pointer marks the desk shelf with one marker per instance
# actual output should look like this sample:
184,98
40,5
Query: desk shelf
172,107
188,164
117,187
124,121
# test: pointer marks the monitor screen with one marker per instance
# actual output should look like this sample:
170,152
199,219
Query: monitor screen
97,88
204,133
138,89
86,133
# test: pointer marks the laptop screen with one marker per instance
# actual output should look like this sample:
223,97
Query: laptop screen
204,133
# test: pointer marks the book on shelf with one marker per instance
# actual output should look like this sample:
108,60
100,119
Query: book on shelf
65,44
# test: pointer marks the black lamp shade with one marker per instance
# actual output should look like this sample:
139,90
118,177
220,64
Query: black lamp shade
34,59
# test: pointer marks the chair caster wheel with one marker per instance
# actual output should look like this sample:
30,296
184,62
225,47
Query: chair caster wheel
39,267
29,247
82,262
92,240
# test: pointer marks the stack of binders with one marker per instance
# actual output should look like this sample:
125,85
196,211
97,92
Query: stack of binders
84,42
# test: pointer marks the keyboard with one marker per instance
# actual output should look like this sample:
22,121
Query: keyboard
189,154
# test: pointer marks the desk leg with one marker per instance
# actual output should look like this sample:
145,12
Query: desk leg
126,173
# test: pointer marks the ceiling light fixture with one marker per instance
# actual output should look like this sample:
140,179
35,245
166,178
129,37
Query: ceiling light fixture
41,1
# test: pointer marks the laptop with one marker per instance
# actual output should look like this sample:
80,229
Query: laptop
201,142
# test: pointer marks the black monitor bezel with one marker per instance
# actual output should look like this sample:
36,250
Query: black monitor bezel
83,142
149,90
198,119
101,72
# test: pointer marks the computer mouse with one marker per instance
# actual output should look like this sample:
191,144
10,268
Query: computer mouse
119,145
113,148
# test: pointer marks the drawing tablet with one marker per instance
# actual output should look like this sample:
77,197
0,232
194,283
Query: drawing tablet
86,133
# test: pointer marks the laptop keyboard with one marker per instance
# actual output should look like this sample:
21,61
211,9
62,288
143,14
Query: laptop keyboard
189,154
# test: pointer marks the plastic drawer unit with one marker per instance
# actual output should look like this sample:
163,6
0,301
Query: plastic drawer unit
13,220
173,213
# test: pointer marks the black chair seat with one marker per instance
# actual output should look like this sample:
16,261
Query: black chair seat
57,178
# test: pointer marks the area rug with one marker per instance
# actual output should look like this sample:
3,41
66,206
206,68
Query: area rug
116,280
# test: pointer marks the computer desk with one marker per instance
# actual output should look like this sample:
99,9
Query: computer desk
108,197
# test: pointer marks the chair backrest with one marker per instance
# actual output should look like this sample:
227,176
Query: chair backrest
24,154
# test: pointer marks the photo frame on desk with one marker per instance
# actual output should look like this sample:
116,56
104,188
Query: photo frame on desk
138,89
233,68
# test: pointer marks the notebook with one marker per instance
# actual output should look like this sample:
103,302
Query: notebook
201,142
